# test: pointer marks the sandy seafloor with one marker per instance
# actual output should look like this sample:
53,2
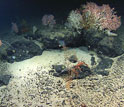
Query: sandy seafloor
31,84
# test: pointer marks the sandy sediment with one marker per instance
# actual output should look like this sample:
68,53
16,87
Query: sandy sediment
31,84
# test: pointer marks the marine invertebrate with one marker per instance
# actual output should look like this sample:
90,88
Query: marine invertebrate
74,20
77,68
92,16
104,17
15,27
76,71
48,20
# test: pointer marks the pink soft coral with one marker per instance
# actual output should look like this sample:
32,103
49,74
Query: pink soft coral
104,16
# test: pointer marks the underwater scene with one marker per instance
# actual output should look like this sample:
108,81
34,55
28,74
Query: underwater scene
56,53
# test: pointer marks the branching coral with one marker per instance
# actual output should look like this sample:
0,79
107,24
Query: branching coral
92,16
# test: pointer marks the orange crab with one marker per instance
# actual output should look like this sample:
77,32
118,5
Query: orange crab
74,71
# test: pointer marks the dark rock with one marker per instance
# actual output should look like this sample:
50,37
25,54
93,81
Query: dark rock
56,74
4,79
74,41
102,72
69,42
105,63
73,59
104,50
93,62
51,71
33,36
118,45
21,50
82,71
92,38
111,46
58,68
50,43
104,44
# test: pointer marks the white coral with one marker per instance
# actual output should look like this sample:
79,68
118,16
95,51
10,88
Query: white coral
74,20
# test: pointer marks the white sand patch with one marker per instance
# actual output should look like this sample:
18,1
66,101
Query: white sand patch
47,59
31,78
33,86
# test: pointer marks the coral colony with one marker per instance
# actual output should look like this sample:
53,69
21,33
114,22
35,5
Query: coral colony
15,27
48,20
104,15
92,16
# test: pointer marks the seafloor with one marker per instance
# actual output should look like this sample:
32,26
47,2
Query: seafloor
31,84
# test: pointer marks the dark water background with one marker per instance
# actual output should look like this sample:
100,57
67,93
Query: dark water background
17,10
